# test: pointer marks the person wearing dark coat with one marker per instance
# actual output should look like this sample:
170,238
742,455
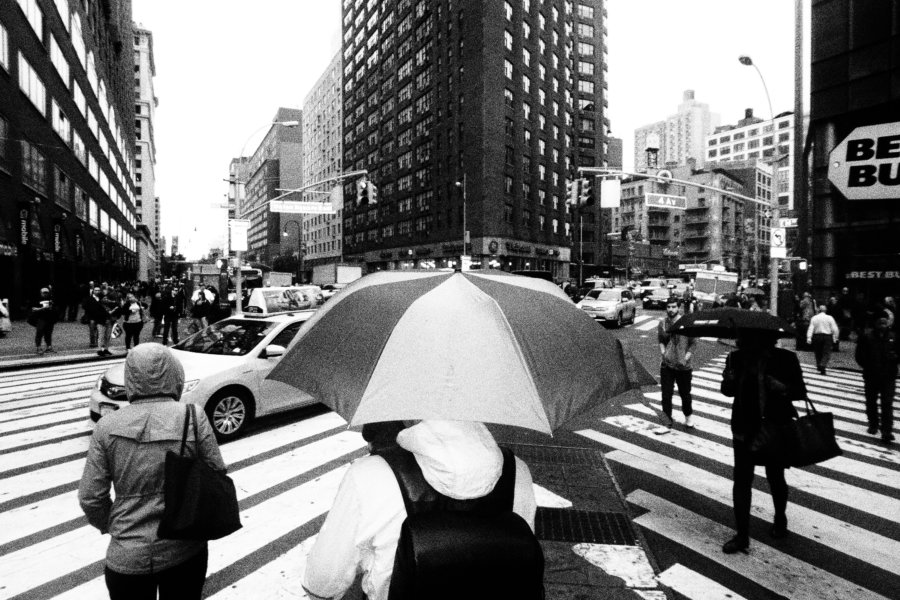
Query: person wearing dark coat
877,354
157,310
98,315
44,317
763,380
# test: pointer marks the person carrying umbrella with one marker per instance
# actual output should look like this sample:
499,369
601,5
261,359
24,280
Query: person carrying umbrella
763,380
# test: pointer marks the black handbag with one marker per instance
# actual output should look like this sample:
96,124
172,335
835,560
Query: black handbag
200,502
813,438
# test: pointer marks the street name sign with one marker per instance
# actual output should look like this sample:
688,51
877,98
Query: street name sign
787,222
866,164
666,201
295,207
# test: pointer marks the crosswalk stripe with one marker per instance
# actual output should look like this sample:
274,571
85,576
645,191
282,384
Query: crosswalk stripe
841,464
13,392
48,409
694,586
44,435
866,545
55,370
874,451
641,318
46,399
40,515
33,456
817,485
648,325
780,573
40,420
825,391
278,579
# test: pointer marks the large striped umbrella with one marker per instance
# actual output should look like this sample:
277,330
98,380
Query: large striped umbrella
480,346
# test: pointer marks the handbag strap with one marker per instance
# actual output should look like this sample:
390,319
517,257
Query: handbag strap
187,419
810,407
193,409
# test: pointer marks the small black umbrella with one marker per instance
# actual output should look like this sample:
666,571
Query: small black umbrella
727,322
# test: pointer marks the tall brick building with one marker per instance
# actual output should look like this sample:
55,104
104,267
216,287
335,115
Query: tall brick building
474,113
66,146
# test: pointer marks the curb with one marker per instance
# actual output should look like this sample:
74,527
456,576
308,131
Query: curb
20,364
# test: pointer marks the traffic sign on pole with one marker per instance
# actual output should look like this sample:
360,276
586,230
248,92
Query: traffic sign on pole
778,247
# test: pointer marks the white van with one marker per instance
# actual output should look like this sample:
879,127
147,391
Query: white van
267,300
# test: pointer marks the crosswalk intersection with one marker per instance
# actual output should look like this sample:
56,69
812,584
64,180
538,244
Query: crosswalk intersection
844,514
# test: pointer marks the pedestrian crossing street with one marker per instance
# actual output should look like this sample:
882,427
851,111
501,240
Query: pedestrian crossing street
843,514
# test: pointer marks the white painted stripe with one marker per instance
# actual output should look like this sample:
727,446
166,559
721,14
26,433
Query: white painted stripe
50,409
642,318
833,391
695,586
817,485
276,580
648,325
13,391
858,542
776,571
874,451
34,376
546,498
86,367
44,435
33,456
845,377
38,516
264,523
47,399
628,563
52,419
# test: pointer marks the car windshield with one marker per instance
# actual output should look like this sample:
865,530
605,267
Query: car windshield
231,337
610,295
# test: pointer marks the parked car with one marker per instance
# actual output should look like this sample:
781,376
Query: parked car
279,299
225,369
657,298
611,305
330,289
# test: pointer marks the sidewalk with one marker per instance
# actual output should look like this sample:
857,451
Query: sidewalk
70,342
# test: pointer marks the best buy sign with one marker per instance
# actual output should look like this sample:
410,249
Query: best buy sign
866,164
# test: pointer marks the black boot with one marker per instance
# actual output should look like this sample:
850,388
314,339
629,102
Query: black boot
779,528
738,543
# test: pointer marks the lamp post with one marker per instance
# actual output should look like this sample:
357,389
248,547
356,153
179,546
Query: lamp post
237,181
462,261
773,262
284,233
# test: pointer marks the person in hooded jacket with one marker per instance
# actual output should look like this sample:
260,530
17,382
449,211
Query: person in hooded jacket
459,459
127,451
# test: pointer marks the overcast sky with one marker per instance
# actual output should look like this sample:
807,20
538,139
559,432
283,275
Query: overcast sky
223,67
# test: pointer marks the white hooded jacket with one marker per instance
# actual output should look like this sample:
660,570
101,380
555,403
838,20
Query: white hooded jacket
459,459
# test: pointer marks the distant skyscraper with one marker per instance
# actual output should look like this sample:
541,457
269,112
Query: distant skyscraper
145,103
681,136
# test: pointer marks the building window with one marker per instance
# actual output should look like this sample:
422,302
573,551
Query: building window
507,7
59,61
508,69
507,213
4,137
4,48
34,168
585,86
508,40
508,97
62,190
585,30
526,57
61,124
32,85
34,15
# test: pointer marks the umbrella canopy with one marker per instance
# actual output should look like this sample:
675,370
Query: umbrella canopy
728,322
478,346
754,291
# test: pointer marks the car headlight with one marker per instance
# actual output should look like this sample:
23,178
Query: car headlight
190,385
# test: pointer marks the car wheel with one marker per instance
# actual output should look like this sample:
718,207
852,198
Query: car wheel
229,412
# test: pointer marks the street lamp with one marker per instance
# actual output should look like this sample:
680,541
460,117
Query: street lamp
462,184
299,247
237,181
773,262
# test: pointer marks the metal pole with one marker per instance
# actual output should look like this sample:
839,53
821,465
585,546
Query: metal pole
465,233
299,256
580,246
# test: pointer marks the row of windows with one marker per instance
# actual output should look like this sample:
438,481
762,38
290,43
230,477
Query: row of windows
740,135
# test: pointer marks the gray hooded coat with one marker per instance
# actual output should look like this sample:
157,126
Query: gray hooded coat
128,450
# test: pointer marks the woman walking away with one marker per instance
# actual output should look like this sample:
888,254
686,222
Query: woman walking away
132,313
763,380
127,451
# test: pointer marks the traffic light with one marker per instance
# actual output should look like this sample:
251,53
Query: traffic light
372,193
571,192
362,191
585,193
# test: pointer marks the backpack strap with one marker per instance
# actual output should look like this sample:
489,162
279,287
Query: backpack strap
420,497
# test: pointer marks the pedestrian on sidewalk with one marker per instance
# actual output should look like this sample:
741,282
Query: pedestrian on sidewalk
127,451
98,316
43,317
877,353
806,313
132,313
763,380
676,351
157,310
171,314
834,310
822,333
5,321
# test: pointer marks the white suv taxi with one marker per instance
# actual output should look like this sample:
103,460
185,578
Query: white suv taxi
225,369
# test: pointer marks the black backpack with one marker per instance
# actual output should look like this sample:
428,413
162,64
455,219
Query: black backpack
469,549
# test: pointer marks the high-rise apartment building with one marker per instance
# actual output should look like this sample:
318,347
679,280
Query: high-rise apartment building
322,159
66,146
470,117
679,137
753,140
277,163
145,103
